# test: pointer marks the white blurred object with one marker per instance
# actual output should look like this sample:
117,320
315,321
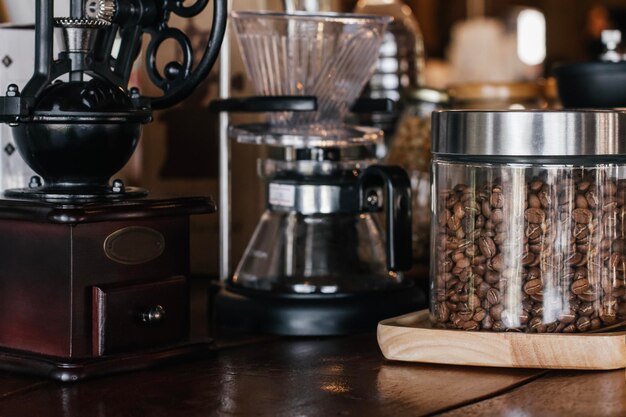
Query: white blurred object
611,40
483,50
22,12
531,36
16,67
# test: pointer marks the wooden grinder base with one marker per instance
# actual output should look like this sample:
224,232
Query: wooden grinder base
411,338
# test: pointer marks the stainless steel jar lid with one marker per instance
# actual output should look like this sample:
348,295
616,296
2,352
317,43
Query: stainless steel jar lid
529,133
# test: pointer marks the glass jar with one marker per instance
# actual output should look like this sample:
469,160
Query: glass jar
411,149
529,224
400,65
497,96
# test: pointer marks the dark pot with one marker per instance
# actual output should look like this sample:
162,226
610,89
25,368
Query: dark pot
592,84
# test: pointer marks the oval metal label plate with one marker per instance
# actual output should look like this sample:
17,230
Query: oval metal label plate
134,245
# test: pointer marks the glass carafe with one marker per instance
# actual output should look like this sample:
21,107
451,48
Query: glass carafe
316,253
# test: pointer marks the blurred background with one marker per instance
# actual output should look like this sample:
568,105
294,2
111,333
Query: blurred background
464,42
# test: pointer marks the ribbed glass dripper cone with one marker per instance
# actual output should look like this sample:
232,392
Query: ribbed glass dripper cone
330,56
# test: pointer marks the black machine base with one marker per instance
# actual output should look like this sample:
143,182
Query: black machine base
68,370
312,315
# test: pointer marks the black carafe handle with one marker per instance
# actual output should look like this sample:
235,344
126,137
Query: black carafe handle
394,182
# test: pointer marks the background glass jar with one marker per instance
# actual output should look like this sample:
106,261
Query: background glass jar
411,149
529,226
498,96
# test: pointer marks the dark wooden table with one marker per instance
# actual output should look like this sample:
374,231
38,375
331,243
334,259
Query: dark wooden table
250,375
345,376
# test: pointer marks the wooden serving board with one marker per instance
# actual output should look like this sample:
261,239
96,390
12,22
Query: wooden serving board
411,338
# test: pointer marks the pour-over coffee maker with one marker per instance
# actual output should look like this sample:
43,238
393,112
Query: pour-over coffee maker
95,274
318,262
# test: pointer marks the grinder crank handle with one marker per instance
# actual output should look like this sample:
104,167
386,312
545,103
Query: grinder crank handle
179,91
135,18
396,185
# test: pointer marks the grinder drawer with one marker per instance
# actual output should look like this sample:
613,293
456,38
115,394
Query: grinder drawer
138,316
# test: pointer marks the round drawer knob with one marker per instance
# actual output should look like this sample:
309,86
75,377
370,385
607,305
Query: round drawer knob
154,315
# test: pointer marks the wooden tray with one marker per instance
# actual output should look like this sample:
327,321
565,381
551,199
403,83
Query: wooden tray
411,338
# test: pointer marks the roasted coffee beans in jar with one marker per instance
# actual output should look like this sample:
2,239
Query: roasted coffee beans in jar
529,221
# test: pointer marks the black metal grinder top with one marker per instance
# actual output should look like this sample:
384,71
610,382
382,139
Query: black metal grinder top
76,122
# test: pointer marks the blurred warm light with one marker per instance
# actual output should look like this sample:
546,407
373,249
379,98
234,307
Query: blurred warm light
531,37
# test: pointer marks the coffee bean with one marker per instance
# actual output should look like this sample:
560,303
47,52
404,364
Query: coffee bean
497,216
493,296
571,328
497,263
496,311
583,324
581,201
592,198
567,317
496,200
580,286
588,296
492,277
535,215
465,314
586,309
581,273
551,328
534,202
470,325
608,318
533,273
581,231
534,324
498,326
533,286
451,201
458,210
528,258
523,318
544,198
537,310
584,185
487,323
535,185
582,215
454,223
480,315
463,263
574,258
596,324
533,231
442,312
500,238
486,209
487,246
473,302
482,289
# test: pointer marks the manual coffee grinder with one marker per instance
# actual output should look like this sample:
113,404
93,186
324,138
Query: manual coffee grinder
318,263
94,275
